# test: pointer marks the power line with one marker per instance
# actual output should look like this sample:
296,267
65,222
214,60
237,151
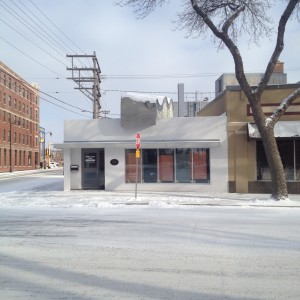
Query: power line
29,26
63,101
156,76
56,26
29,56
151,92
55,41
32,42
63,107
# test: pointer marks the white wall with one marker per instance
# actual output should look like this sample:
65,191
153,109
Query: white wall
76,175
96,135
114,175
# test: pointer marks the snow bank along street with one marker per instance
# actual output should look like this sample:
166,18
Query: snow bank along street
45,189
89,245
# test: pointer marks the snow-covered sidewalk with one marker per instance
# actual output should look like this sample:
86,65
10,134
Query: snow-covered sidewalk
49,193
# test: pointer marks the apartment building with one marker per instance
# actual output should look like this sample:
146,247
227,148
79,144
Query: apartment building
19,122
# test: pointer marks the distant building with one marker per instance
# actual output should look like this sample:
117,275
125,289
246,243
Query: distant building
19,122
229,79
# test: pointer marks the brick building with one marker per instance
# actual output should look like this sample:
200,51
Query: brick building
19,122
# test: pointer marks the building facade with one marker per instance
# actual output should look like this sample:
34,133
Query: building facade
177,154
248,171
19,122
229,79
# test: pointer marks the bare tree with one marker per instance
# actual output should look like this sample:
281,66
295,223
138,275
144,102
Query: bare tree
227,20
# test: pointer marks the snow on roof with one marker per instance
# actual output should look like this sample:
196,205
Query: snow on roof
148,97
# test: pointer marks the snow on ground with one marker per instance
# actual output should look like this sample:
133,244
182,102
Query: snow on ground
169,246
45,189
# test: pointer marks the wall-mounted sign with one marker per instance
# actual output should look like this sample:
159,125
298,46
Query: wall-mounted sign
90,160
114,162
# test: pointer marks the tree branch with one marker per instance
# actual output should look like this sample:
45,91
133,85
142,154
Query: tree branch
271,121
230,20
278,47
224,37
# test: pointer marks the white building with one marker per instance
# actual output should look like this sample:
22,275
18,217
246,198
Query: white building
177,154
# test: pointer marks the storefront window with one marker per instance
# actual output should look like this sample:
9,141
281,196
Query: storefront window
149,166
166,165
130,169
201,172
289,152
297,155
182,165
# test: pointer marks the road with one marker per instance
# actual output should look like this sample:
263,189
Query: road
142,252
31,180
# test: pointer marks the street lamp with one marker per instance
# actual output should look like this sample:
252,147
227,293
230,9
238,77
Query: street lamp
10,157
44,150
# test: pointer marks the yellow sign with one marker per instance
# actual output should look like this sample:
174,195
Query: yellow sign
137,153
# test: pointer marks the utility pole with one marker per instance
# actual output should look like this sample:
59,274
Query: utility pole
87,79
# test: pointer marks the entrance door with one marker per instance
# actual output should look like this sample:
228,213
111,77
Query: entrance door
93,169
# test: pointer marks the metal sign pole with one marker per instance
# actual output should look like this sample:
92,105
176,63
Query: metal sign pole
136,174
137,156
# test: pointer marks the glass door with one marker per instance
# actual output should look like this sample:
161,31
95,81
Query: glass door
93,169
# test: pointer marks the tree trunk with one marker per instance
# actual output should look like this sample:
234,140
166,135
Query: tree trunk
279,186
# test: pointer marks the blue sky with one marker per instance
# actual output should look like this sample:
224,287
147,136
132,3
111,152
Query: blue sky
124,46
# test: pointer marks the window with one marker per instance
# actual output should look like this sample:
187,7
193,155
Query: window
20,158
4,98
130,169
15,137
15,103
289,151
24,158
4,116
16,157
9,101
166,165
9,83
4,157
200,161
149,165
29,158
182,165
4,135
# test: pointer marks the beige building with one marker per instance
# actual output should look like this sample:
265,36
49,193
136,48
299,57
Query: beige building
248,171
